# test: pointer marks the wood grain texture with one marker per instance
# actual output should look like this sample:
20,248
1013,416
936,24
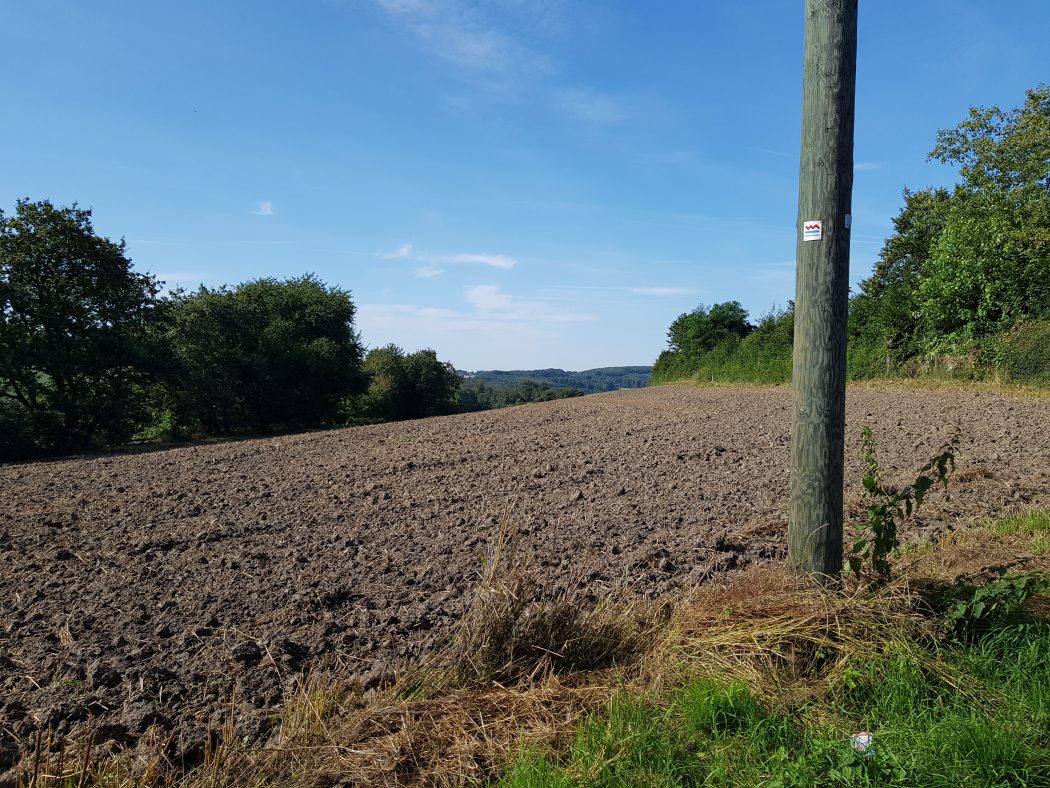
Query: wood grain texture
822,289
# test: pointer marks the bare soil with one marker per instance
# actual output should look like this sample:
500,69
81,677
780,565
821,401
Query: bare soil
171,587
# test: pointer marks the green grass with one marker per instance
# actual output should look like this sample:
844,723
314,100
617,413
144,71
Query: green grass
1029,523
990,725
1034,523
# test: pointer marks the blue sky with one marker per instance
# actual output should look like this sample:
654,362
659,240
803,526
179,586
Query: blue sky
515,183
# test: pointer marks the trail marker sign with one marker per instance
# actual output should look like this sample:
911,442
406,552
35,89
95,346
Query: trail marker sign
812,230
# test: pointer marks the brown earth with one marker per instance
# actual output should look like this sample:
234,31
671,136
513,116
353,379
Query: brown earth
166,588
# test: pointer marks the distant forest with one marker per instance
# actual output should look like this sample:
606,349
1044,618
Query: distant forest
94,355
588,381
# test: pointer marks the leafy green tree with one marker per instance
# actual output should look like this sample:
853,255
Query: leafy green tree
695,333
266,355
1001,150
384,369
884,314
78,338
991,264
433,385
963,266
406,386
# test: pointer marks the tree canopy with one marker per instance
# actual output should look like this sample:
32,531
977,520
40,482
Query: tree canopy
965,265
77,339
964,279
265,355
406,386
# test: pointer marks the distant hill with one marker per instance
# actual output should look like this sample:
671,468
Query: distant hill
589,380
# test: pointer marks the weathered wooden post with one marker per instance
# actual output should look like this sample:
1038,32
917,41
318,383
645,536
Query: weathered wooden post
822,289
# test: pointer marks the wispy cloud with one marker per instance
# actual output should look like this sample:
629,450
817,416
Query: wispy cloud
589,105
661,291
407,252
265,208
494,260
491,302
429,271
462,33
401,253
491,310
784,154
869,165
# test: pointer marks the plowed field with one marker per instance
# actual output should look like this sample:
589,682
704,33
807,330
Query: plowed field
150,588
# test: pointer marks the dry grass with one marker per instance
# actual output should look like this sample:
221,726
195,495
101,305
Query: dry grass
524,667
955,384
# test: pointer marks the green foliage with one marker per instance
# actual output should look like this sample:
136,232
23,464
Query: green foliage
405,386
962,268
476,395
883,315
1023,353
889,508
266,355
975,609
671,366
999,150
740,352
77,339
967,264
989,268
698,332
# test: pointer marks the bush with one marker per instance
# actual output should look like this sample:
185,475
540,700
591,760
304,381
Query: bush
1024,353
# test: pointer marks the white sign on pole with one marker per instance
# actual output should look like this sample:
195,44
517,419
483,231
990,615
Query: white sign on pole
812,230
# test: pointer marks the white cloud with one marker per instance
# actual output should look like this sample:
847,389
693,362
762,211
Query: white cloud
429,271
400,253
265,209
869,165
407,252
488,298
493,310
492,303
495,260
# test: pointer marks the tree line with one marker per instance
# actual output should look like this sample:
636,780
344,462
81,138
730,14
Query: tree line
94,354
587,380
962,286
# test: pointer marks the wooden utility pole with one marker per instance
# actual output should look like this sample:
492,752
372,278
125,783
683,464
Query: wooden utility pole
822,289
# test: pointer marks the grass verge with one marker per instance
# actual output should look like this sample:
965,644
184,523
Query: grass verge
988,727
763,682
